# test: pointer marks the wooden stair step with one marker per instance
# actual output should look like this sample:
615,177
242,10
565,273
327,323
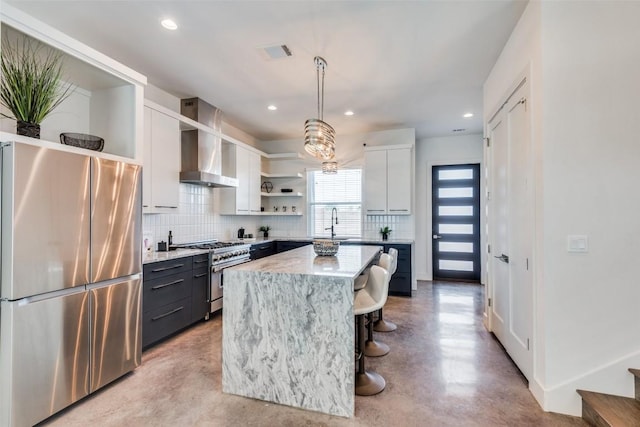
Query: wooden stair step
606,410
636,373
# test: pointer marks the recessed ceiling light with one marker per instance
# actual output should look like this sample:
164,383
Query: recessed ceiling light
169,24
272,107
467,115
348,113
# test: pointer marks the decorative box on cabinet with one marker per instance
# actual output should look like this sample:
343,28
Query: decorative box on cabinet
387,180
161,173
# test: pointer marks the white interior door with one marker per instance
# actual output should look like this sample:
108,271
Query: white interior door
511,237
520,235
499,229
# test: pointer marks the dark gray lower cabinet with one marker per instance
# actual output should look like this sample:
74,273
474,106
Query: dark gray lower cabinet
282,246
174,296
261,250
200,287
401,281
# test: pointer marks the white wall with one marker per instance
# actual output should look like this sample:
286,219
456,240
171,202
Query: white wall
583,73
429,152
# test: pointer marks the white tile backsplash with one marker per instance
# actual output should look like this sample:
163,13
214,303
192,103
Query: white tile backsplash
197,218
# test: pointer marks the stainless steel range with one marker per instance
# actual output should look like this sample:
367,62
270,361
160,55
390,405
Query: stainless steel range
221,256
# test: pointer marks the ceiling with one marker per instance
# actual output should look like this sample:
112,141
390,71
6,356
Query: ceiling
396,64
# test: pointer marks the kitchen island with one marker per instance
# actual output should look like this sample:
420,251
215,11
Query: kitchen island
288,328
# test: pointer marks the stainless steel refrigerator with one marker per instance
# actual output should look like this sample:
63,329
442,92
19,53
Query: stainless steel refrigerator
70,297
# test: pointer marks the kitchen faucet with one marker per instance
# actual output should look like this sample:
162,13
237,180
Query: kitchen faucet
333,234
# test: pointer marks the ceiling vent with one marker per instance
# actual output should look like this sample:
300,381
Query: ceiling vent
459,130
275,51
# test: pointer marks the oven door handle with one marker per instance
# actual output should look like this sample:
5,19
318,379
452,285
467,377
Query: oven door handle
219,268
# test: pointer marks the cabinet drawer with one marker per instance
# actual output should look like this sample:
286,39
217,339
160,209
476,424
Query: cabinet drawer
164,321
164,268
165,290
200,261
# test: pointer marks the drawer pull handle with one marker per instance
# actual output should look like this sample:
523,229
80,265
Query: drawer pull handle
399,210
200,275
201,261
158,270
175,310
166,207
175,282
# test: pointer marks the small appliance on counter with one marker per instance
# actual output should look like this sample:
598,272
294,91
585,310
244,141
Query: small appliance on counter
241,233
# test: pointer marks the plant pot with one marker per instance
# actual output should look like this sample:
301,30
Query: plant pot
385,236
31,130
266,234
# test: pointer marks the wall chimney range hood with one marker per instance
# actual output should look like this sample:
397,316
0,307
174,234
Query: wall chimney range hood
201,151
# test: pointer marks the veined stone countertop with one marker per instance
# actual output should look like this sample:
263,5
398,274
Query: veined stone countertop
153,256
348,262
288,328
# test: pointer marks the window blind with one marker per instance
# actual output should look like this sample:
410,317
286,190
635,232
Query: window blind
342,191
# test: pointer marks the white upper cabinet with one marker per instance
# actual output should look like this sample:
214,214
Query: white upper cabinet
108,96
161,170
243,164
387,180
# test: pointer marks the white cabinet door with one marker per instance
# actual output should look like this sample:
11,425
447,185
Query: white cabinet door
161,176
243,176
254,182
399,181
375,182
245,199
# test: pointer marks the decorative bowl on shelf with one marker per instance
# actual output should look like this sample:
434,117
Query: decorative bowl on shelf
326,247
82,140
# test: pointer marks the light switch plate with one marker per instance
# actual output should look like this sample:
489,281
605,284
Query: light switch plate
577,243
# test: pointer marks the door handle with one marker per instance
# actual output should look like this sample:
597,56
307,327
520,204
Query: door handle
437,236
504,258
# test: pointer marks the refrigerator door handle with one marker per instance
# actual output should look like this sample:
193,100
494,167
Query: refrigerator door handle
50,295
110,282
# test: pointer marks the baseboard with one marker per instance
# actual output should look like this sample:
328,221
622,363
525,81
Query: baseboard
611,378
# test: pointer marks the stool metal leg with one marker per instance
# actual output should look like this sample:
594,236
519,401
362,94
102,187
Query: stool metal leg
382,325
373,348
367,383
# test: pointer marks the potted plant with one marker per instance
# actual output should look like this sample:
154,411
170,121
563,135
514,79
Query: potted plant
265,230
31,85
385,232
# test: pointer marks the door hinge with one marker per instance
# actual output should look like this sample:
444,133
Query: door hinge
488,195
488,141
489,302
527,264
488,249
527,344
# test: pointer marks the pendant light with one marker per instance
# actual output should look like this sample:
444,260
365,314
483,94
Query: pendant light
330,167
319,136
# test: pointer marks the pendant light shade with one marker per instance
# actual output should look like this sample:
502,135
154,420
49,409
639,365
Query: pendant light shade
330,167
319,136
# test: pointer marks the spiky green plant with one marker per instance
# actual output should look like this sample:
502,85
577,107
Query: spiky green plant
32,84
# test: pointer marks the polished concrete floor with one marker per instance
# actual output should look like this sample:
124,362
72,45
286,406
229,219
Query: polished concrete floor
444,369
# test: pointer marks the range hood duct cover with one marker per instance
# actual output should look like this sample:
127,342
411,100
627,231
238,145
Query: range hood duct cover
201,151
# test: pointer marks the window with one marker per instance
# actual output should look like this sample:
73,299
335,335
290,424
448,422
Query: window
342,191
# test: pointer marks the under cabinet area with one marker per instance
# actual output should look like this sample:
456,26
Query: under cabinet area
161,173
263,249
387,180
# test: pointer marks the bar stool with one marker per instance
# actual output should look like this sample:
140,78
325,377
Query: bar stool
373,348
382,325
366,301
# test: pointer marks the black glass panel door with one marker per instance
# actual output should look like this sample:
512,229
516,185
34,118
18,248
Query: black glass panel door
456,222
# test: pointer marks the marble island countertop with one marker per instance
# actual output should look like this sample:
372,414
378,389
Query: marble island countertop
348,262
288,328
